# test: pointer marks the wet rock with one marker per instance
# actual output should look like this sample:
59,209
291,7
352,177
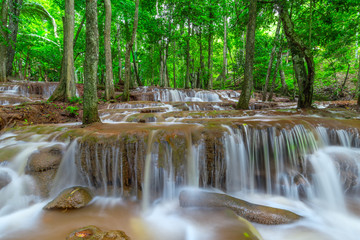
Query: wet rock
252,212
348,169
95,233
5,179
45,159
71,198
43,166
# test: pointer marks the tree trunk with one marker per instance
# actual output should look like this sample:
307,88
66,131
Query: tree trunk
126,94
357,91
210,52
3,43
136,70
14,13
174,64
166,72
345,80
161,72
268,74
278,59
284,87
224,67
304,75
66,89
187,79
249,58
109,77
119,52
79,30
90,114
202,65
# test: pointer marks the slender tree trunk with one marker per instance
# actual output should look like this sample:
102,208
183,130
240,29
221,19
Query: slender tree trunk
202,65
126,94
136,70
119,51
90,114
66,88
174,64
272,54
79,30
345,80
304,75
166,73
161,72
249,58
187,79
109,82
224,67
284,87
3,42
14,10
278,59
210,52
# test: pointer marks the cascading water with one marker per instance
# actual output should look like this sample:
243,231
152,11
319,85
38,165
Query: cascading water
294,167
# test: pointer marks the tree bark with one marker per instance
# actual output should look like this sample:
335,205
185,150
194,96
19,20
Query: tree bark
210,52
304,75
4,37
249,58
187,79
109,77
357,91
79,30
278,59
345,80
268,74
174,63
119,52
14,10
126,94
202,65
224,67
136,70
284,87
66,89
90,114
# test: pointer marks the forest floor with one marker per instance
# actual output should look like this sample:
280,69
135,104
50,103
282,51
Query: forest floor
44,112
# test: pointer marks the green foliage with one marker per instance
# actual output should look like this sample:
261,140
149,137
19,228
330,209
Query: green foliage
73,110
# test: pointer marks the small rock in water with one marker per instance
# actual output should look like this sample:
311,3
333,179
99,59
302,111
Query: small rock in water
4,179
71,198
95,233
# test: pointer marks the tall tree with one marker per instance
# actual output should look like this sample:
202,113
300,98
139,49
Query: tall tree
249,58
187,79
272,54
109,82
210,49
304,74
3,40
66,89
14,13
90,114
224,67
126,93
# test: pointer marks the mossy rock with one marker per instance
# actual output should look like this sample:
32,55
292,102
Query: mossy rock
95,233
252,212
71,198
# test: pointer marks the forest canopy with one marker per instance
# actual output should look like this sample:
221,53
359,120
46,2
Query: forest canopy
194,44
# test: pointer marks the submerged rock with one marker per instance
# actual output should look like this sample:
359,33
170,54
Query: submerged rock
5,179
252,212
71,198
95,233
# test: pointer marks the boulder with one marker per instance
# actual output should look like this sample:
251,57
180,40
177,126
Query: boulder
5,179
95,233
71,198
252,212
46,158
43,165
